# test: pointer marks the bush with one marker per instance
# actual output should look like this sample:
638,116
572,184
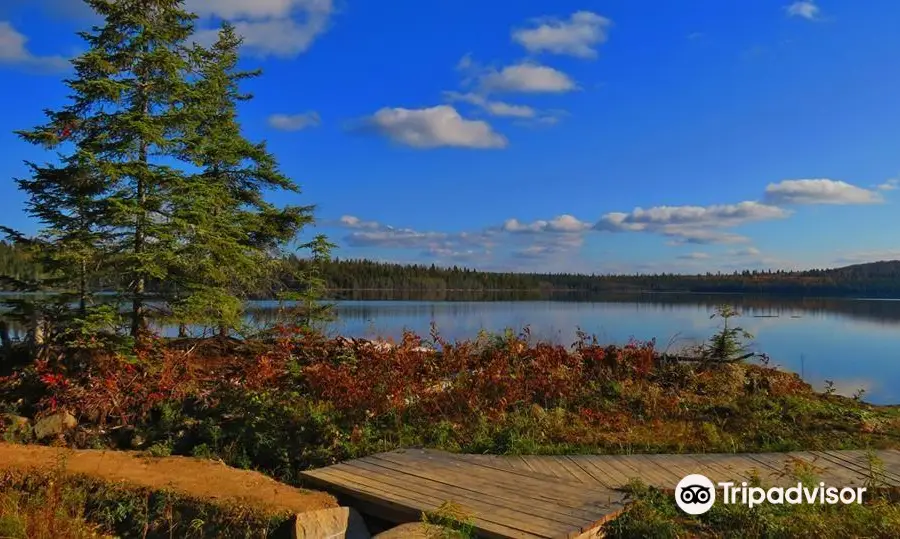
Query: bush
49,505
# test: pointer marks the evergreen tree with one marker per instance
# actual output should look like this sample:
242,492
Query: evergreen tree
314,287
125,122
69,248
231,238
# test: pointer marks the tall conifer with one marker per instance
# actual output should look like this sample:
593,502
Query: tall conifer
233,237
125,122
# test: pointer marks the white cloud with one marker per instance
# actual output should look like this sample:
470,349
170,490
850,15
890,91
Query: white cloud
805,9
889,185
862,257
445,253
695,256
561,223
444,245
697,225
748,251
281,28
526,77
14,52
700,236
440,126
577,36
819,191
535,251
394,238
350,221
294,122
494,108
254,9
725,215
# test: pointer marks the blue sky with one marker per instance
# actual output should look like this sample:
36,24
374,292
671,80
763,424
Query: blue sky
590,136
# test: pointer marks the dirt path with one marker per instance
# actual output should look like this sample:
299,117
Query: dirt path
199,478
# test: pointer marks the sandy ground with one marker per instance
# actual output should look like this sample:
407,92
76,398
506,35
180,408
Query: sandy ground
199,478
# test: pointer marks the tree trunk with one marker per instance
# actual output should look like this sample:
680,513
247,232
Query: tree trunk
5,341
137,303
138,313
82,288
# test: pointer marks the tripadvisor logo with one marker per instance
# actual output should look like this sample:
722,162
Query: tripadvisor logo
696,494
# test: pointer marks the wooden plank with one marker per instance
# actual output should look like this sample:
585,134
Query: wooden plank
602,477
515,479
376,493
669,473
575,472
493,461
743,468
890,460
517,517
832,471
574,520
600,465
478,490
611,463
546,466
425,500
859,465
685,464
529,486
718,468
772,467
519,463
637,470
514,464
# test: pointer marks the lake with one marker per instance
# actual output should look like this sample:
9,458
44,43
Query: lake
854,343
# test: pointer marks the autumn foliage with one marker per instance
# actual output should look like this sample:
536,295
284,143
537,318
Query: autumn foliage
302,399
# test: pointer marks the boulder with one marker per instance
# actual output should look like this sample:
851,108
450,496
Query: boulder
336,523
418,530
54,425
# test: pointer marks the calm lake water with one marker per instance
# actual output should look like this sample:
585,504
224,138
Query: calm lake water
854,343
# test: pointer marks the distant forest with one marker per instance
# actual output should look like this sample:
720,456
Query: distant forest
877,279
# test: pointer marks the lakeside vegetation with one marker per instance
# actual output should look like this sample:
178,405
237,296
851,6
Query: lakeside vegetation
157,195
306,401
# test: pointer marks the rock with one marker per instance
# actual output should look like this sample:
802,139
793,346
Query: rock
418,530
15,422
54,425
336,523
137,441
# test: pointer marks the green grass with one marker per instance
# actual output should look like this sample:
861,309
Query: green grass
52,505
654,515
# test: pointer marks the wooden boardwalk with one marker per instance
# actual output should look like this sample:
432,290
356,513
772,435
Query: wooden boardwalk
563,496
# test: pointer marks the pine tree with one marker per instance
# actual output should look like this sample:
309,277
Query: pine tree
313,284
69,247
124,124
231,237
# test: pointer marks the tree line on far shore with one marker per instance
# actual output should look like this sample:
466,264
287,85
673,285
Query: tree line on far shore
871,280
879,279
